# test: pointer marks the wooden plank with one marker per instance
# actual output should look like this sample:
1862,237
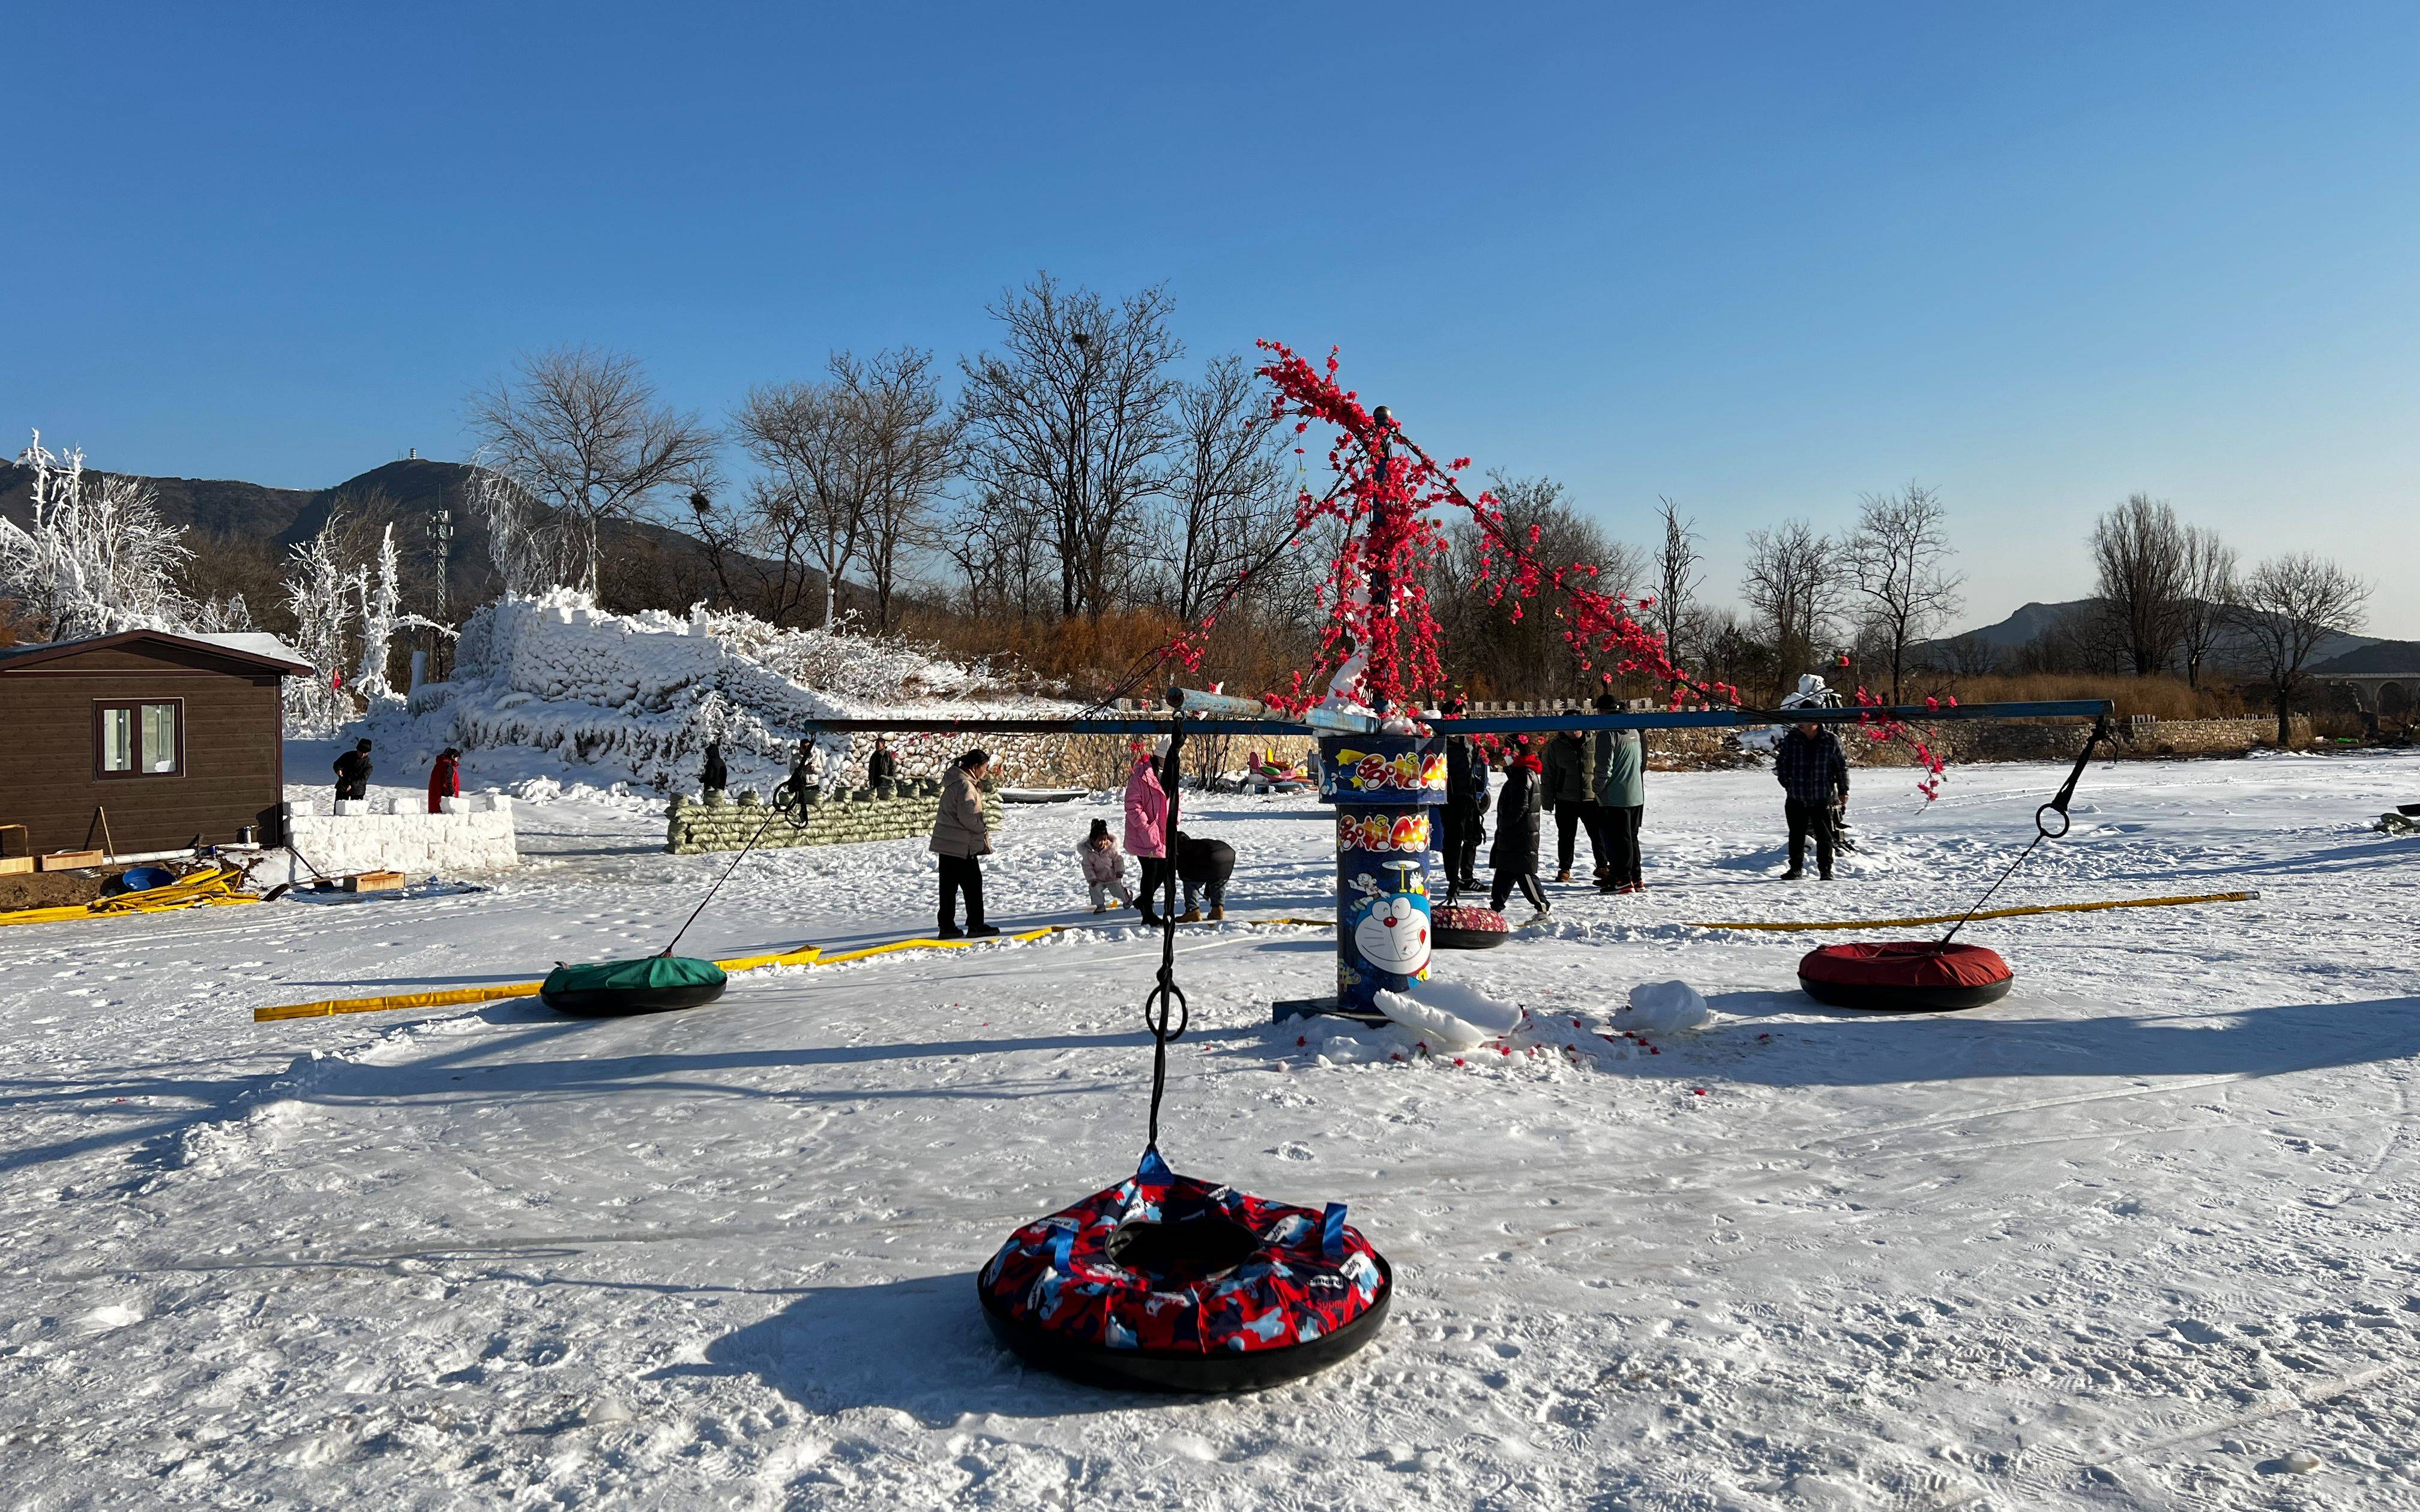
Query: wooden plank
373,882
70,860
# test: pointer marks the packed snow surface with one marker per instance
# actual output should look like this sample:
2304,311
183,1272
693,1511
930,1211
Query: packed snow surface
2138,1236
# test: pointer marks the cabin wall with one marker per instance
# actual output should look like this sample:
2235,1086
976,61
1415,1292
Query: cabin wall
234,752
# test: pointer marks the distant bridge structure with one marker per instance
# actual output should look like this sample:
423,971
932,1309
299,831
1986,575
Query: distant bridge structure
2378,693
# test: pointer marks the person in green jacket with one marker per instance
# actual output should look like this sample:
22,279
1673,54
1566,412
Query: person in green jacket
1621,800
1570,790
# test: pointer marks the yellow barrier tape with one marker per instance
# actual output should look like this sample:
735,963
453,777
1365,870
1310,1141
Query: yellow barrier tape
1999,913
809,955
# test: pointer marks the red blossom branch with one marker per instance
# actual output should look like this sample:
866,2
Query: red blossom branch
1390,498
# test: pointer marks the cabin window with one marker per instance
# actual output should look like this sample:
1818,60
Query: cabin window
140,739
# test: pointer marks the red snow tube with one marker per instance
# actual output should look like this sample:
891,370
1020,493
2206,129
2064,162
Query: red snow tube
1172,1284
1467,927
1907,976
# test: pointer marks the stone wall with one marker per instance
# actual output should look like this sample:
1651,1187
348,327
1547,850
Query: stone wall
1093,762
2012,741
846,816
473,834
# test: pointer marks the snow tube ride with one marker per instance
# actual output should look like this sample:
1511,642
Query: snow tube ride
1906,976
1467,927
656,985
1172,1284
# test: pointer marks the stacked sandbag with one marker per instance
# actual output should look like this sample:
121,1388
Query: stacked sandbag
843,816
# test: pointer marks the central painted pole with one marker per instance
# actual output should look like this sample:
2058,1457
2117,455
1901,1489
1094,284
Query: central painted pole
1382,786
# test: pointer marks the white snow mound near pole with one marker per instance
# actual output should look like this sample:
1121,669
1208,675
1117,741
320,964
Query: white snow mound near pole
1662,1006
1455,1015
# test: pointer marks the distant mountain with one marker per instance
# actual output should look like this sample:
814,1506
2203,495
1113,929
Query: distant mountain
2376,657
414,489
2022,626
2028,622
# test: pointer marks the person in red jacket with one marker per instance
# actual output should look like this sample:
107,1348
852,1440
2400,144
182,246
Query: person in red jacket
444,779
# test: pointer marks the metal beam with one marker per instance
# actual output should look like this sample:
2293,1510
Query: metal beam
1506,724
1502,724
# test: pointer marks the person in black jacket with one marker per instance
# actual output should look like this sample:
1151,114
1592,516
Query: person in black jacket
716,775
881,766
353,772
1515,853
1205,864
1570,777
1462,819
1814,776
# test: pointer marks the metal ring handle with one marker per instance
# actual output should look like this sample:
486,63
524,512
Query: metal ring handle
2065,823
1159,998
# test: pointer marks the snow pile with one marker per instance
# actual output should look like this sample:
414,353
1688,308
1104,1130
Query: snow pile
640,695
1662,1007
1452,1013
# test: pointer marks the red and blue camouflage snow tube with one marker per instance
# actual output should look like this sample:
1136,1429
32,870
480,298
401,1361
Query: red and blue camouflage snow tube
1905,975
1173,1284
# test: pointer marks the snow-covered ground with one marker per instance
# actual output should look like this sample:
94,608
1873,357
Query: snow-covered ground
2140,1235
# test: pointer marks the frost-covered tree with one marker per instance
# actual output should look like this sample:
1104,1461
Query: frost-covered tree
523,551
381,600
320,591
96,556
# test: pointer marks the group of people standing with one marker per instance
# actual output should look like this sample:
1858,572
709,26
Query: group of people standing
1593,783
962,835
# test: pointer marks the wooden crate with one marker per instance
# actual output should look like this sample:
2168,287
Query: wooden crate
70,860
10,864
373,882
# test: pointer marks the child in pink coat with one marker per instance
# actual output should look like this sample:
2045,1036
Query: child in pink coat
1105,866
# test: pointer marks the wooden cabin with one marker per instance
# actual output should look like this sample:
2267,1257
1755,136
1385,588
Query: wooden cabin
177,738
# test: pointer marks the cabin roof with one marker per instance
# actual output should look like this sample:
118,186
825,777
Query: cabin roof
252,647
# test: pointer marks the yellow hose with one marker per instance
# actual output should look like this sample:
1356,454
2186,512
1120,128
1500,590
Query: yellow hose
1999,913
808,955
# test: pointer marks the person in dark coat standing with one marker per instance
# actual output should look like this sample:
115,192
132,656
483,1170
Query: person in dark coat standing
1813,772
1571,793
444,779
1516,852
960,835
716,777
881,766
1462,819
1206,864
353,772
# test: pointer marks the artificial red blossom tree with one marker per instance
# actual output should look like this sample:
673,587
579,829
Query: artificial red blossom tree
1380,648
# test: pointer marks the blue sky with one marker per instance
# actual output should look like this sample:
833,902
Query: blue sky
1760,258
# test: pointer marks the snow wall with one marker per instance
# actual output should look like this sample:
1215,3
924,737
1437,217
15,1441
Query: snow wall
474,834
637,696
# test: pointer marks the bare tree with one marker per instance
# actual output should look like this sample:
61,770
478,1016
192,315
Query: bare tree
911,450
2139,550
1507,648
1226,502
582,432
1896,559
1676,574
1075,412
810,441
2209,588
2285,609
1792,588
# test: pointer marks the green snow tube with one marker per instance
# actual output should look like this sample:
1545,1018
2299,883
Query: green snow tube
654,984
